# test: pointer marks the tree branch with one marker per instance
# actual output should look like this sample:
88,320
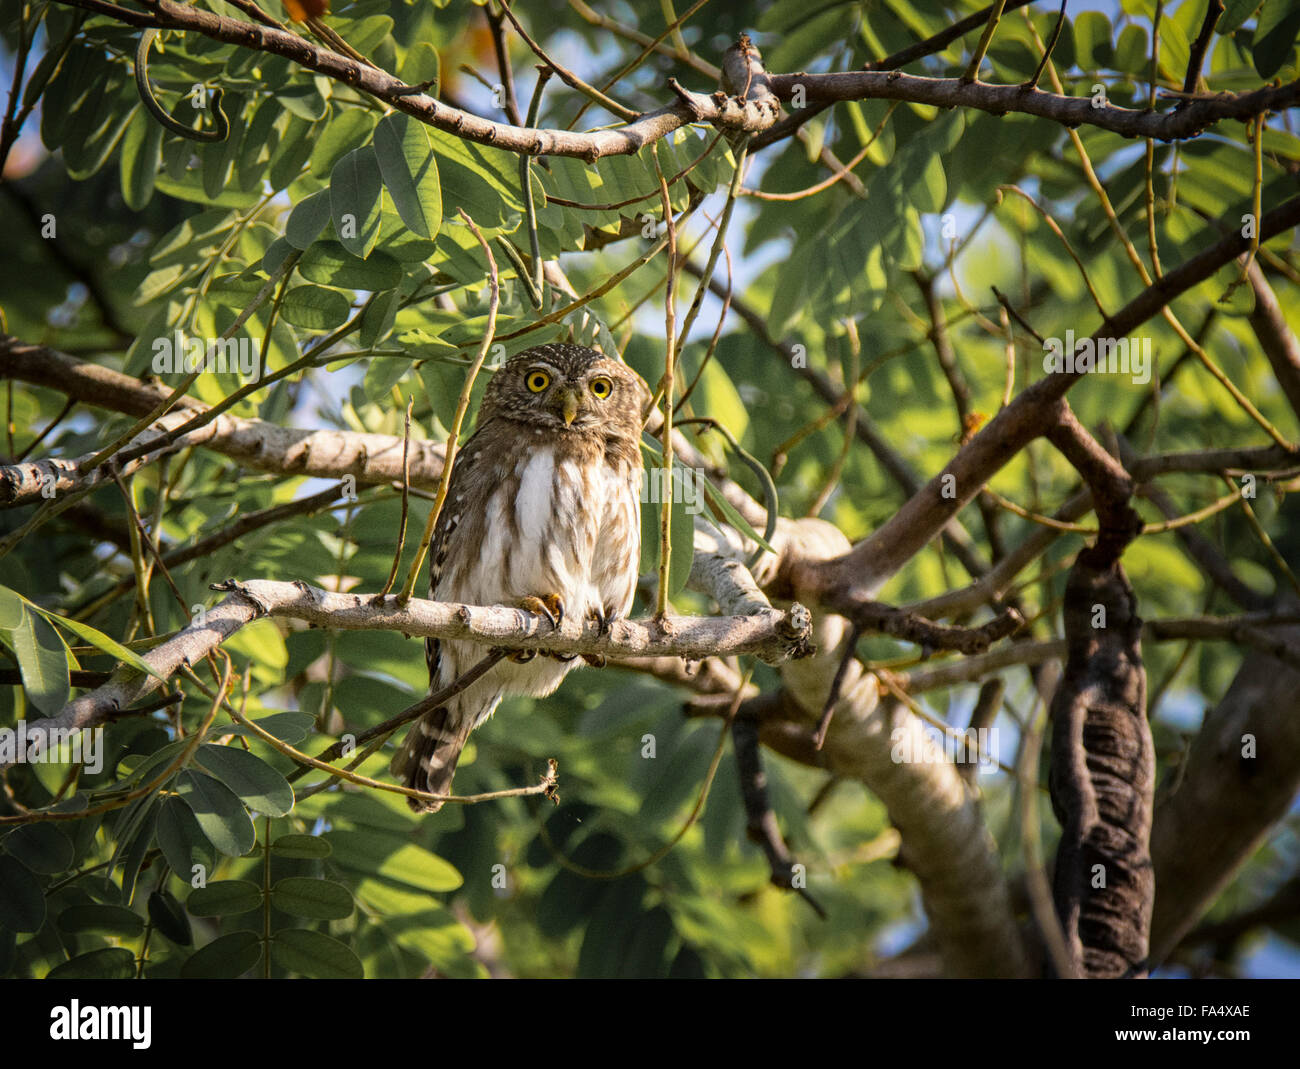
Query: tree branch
842,583
769,634
625,140
1191,118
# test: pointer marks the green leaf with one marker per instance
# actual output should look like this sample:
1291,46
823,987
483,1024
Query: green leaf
355,188
483,181
304,100
101,920
95,133
276,253
420,66
569,898
12,609
1175,49
170,918
734,518
260,139
410,172
646,954
41,847
329,263
1275,37
314,308
110,963
130,856
1235,14
182,840
378,317
43,661
321,900
225,958
395,858
347,129
218,157
315,955
224,898
683,537
301,847
257,784
219,812
190,188
605,943
139,160
1133,52
292,152
66,91
22,902
382,374
720,400
1092,40
307,220
291,727
101,642
731,516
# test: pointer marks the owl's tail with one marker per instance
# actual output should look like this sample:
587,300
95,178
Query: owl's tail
427,758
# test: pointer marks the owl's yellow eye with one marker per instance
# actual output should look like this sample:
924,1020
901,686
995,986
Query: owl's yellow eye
537,381
602,388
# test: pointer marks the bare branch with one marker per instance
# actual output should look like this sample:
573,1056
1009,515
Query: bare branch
1191,118
769,634
368,458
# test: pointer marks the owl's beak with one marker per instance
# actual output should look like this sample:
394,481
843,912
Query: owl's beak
569,406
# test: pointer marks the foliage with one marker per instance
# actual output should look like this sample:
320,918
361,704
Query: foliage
219,870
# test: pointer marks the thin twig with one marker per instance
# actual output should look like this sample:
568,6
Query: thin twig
462,405
406,494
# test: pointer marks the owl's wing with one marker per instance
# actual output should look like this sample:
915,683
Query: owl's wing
463,472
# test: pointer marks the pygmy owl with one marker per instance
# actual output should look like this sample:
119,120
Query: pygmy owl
543,513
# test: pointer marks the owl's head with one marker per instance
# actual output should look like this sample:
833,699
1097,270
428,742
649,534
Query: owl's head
564,387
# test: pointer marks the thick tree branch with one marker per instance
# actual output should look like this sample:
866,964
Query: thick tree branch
944,839
730,113
1188,120
1240,779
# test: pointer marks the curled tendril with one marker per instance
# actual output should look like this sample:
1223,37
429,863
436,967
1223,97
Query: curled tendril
150,101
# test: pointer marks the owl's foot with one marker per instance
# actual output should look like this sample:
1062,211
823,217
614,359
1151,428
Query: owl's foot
603,621
552,607
549,605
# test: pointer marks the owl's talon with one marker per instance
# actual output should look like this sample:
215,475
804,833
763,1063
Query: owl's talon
596,660
602,619
549,605
521,656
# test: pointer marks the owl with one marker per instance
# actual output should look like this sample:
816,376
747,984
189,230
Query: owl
543,513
